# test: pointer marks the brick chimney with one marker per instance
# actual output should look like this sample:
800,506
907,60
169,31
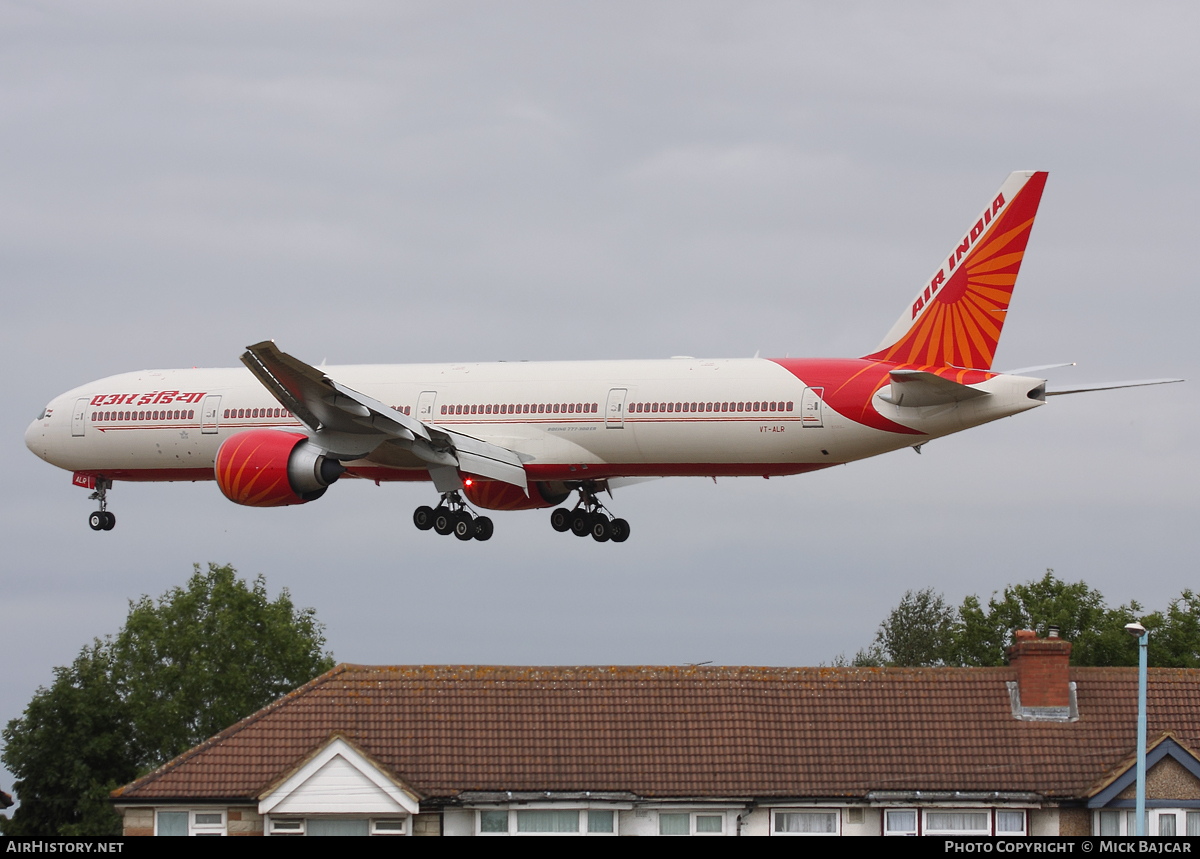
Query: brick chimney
1041,664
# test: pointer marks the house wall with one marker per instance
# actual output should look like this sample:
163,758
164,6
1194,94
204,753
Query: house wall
1074,821
137,821
244,821
427,824
757,822
1168,779
458,822
1043,821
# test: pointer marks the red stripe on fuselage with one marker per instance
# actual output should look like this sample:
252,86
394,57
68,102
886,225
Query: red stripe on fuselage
849,385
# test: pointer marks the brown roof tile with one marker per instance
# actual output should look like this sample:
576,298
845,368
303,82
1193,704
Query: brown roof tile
688,731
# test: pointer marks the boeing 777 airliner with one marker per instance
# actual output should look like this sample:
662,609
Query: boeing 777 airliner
517,436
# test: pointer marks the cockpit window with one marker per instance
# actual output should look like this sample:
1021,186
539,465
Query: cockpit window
42,416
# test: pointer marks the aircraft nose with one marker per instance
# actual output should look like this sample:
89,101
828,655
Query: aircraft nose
34,439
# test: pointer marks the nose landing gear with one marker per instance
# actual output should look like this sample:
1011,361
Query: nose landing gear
589,517
452,516
101,520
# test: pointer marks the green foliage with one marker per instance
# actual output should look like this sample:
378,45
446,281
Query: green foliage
919,631
1175,635
71,748
208,655
924,630
180,670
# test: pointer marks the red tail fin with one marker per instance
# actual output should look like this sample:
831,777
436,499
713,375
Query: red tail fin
957,318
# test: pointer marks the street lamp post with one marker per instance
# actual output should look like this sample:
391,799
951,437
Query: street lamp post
1139,631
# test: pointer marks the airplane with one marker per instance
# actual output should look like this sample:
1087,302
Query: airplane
519,436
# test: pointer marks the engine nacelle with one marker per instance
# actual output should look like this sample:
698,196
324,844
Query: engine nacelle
273,468
494,495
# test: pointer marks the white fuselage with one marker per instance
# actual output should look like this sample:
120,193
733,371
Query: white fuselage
567,420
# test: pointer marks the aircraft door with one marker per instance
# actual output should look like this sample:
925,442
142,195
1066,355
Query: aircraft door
425,404
614,412
810,407
79,417
209,412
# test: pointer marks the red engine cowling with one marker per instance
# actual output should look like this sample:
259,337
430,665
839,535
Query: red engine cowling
272,468
494,495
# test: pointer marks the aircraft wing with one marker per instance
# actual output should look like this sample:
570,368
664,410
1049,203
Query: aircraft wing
351,425
918,388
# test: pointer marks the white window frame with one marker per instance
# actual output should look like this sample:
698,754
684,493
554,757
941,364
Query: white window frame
916,813
584,810
194,828
403,830
692,814
273,823
1152,814
927,830
810,809
1024,812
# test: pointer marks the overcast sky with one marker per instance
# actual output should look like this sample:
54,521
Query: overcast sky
376,183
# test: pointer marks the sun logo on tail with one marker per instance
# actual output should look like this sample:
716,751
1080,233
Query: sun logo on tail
957,318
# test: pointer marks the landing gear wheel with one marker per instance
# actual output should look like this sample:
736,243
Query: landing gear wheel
464,526
560,519
443,520
423,518
101,520
620,530
581,523
601,528
483,529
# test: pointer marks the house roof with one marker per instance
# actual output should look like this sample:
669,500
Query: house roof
688,731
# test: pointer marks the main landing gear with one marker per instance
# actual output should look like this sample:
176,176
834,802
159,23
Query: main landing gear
452,516
589,517
101,520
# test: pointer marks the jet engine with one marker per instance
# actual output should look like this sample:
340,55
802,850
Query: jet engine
494,495
273,468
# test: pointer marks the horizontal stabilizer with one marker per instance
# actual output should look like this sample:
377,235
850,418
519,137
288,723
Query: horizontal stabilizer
915,388
1025,371
1107,386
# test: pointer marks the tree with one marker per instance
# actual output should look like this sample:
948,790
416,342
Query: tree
208,655
1175,634
925,630
71,748
919,631
180,670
